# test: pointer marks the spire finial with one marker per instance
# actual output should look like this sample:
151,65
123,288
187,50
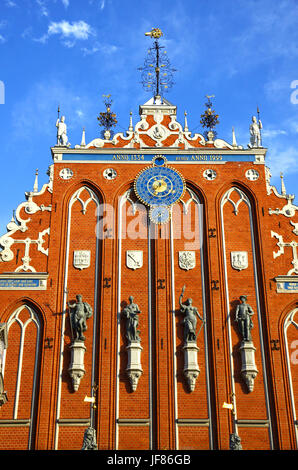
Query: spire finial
83,141
130,122
283,187
234,142
157,74
209,120
185,122
107,119
35,186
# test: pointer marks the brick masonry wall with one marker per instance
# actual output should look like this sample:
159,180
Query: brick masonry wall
214,345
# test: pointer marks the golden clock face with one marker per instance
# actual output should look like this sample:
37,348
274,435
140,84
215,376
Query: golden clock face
156,186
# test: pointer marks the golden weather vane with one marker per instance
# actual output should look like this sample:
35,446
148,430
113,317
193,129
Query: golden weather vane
155,33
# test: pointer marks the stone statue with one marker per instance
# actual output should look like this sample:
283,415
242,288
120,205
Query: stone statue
255,134
62,138
79,312
235,442
190,320
131,312
244,313
89,442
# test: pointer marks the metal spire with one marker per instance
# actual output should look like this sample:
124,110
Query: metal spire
157,74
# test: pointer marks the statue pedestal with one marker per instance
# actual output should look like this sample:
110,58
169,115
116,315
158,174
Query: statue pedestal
249,369
134,368
76,369
191,368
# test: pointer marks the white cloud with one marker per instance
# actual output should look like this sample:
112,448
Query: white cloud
65,3
76,30
10,3
90,51
102,4
270,133
69,33
104,48
2,25
43,8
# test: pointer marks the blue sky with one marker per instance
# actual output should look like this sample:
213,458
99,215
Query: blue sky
71,52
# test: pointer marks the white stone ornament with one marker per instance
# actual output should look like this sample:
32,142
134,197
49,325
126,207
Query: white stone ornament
81,259
239,260
187,259
210,174
252,174
66,173
134,259
110,174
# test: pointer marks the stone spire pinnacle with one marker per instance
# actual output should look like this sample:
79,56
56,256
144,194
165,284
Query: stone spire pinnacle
234,142
83,141
35,186
130,129
185,122
283,187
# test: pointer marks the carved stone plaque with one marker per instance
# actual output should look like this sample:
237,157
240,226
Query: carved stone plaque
239,260
134,259
81,259
187,259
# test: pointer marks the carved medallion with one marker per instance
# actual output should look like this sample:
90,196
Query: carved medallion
66,173
187,259
81,259
239,260
134,259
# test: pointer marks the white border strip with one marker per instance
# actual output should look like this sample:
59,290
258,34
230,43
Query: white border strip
288,322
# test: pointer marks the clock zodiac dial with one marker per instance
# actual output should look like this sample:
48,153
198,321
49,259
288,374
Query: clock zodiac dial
159,214
157,186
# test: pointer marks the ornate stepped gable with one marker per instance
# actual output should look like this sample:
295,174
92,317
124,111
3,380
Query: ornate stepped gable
25,246
28,231
284,229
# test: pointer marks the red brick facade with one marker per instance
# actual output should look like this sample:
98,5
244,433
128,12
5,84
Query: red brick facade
218,216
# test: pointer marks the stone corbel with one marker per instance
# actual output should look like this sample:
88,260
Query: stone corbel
249,369
134,368
76,369
191,368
